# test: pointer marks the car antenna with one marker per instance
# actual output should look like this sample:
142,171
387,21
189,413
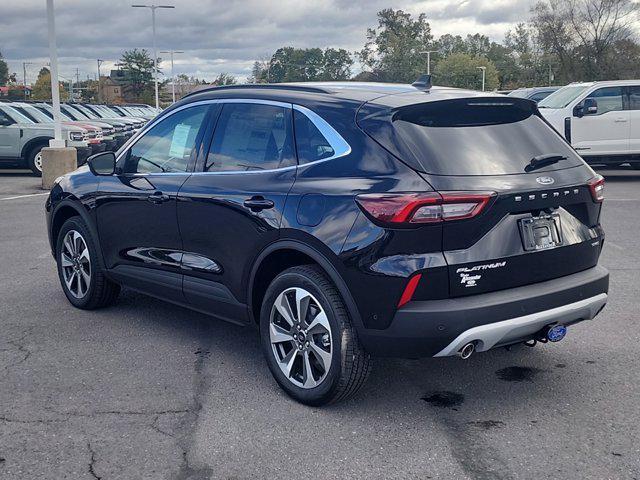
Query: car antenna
423,82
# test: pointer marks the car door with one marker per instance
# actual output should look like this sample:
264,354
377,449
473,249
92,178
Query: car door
231,207
605,132
634,119
136,207
9,137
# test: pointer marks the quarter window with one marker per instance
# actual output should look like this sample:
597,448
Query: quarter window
311,145
251,136
609,99
167,147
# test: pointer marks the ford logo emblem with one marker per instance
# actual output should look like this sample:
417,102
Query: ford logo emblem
545,180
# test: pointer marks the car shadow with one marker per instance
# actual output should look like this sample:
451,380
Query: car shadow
445,384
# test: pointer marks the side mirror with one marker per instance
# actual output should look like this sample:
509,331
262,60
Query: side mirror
102,163
590,106
5,122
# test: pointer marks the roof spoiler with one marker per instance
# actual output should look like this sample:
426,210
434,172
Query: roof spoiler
423,83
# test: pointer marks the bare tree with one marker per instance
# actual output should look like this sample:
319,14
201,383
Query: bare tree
584,34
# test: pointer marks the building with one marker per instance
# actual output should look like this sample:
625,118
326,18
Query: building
15,91
111,90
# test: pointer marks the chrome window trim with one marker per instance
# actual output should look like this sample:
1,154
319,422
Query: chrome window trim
340,146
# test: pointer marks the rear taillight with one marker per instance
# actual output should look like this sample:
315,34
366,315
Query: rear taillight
596,185
420,208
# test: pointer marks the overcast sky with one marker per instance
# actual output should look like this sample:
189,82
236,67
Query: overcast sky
222,36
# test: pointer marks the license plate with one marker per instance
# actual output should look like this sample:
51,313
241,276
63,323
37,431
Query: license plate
541,233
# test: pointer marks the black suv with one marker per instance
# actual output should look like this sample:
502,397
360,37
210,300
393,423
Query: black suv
347,220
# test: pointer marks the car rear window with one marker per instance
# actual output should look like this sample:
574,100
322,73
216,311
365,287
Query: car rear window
478,136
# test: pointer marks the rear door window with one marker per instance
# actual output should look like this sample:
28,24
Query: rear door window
634,98
251,136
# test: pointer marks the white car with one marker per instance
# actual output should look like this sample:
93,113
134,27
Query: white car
600,119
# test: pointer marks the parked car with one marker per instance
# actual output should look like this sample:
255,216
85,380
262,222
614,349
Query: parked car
346,220
22,139
122,131
601,120
94,134
109,134
535,93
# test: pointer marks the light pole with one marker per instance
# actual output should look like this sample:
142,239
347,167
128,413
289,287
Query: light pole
429,52
155,53
57,141
24,77
100,62
484,70
173,79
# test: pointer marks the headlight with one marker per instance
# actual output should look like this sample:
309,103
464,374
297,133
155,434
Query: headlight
75,136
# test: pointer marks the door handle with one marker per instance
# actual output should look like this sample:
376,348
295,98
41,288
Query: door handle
620,120
158,197
258,203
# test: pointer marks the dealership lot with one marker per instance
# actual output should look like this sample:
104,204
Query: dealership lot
150,390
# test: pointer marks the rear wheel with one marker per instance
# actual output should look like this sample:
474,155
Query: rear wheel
308,340
34,160
80,269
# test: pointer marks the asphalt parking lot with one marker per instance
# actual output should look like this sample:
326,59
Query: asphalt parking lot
147,390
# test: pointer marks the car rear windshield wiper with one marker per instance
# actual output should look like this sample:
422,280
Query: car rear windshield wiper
540,161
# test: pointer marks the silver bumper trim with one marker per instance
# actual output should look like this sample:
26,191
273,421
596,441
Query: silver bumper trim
503,332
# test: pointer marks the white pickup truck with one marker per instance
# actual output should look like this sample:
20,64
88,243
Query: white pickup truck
600,119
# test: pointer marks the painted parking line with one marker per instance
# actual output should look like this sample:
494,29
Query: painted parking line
24,196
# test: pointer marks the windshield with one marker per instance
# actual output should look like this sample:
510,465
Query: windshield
16,115
36,114
522,93
563,97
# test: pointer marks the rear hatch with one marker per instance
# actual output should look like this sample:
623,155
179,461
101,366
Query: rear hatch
542,219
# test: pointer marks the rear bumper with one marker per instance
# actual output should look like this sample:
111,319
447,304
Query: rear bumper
442,327
97,148
110,145
83,153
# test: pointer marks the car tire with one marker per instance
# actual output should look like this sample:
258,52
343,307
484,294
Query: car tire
318,359
80,268
34,159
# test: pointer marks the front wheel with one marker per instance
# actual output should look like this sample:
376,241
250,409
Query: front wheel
34,160
308,340
79,268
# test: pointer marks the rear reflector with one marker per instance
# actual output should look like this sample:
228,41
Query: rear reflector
409,290
418,208
596,185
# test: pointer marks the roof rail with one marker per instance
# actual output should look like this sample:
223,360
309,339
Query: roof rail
423,82
262,86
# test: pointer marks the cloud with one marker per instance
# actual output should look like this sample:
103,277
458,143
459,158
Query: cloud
221,36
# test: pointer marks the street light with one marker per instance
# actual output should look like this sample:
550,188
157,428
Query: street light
100,62
429,52
155,53
57,141
173,79
484,70
24,77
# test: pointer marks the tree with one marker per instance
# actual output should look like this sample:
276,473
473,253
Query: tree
461,70
289,64
584,35
42,88
4,71
138,77
225,79
393,49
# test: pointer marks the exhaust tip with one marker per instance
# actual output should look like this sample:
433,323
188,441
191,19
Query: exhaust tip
466,351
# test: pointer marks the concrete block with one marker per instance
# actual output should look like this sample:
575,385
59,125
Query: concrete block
56,162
